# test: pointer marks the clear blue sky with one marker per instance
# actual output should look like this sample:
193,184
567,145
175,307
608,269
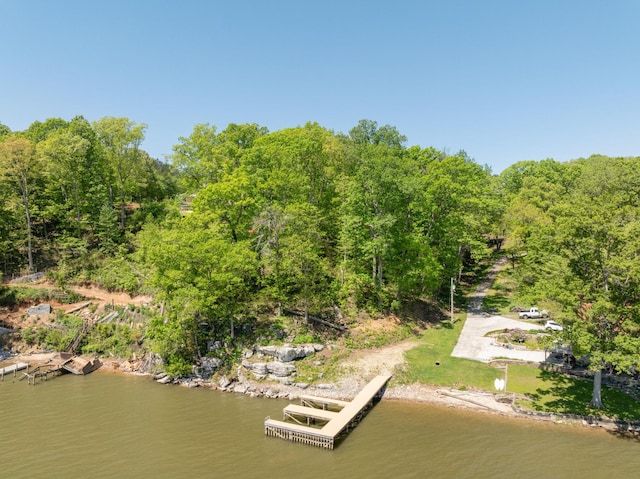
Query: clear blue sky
505,80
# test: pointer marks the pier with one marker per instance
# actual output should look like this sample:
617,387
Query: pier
321,421
13,368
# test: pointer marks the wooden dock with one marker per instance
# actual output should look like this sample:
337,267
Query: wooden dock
332,417
60,363
13,368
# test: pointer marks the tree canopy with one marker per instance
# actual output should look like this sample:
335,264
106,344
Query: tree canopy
574,227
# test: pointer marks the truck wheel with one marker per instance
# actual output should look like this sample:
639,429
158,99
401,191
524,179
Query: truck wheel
524,316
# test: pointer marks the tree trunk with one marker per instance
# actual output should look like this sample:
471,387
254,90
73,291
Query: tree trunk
373,269
25,199
306,308
596,398
77,200
123,213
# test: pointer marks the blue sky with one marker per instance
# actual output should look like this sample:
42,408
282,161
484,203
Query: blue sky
504,80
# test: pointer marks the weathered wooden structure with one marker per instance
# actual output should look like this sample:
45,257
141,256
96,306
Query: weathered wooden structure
13,368
332,418
60,363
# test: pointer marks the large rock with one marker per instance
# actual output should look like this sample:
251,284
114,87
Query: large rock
280,369
43,308
208,367
259,369
224,382
286,354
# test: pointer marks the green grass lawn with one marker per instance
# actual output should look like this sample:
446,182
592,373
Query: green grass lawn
553,392
431,363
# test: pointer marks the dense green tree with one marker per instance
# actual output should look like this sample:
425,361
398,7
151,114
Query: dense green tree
231,202
40,130
4,130
204,281
64,155
579,227
598,232
298,218
120,139
205,156
18,167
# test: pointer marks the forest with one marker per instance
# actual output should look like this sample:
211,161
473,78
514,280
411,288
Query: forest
241,225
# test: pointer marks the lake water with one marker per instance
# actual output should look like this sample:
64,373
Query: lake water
111,426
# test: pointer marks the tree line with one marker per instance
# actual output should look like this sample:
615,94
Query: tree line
66,186
307,219
573,232
311,220
302,218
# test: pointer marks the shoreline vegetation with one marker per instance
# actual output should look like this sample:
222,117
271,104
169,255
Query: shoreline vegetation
364,363
357,368
360,364
352,241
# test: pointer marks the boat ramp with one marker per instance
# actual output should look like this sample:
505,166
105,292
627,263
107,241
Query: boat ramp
319,421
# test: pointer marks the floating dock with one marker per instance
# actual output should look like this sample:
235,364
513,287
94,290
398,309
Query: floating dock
332,418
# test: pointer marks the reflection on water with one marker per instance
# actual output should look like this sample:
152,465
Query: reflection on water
108,426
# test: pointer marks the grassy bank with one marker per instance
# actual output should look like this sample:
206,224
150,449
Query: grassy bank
535,389
431,362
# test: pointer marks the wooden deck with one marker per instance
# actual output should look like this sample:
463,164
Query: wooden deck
339,423
310,414
324,403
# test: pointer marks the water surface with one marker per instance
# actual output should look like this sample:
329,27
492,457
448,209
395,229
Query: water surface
111,426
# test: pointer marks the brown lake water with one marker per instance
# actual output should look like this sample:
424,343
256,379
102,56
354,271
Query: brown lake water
111,426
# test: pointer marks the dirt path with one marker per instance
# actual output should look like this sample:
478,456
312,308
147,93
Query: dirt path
100,295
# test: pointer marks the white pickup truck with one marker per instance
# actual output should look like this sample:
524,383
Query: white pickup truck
533,313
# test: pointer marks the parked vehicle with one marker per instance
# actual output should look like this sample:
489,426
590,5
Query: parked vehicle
552,326
533,313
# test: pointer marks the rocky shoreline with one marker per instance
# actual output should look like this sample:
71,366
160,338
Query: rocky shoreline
348,386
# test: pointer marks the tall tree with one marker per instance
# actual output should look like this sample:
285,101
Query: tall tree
120,139
204,280
598,230
581,240
4,130
18,165
205,156
64,155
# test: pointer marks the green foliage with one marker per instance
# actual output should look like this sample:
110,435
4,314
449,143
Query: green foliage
54,338
17,295
581,238
300,218
173,340
120,340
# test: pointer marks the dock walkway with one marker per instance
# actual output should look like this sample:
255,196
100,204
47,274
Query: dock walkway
13,368
314,408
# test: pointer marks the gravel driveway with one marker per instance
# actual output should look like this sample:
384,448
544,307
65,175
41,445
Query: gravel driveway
473,345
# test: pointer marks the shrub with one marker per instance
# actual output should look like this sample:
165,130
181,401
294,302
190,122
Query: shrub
517,335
